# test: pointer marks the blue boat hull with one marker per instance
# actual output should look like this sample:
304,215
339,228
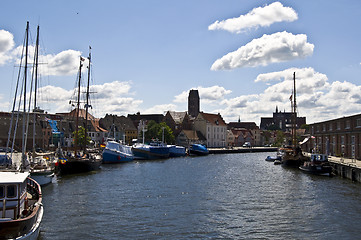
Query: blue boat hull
150,152
198,149
110,156
177,151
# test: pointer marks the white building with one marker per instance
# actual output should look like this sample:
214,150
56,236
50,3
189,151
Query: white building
213,127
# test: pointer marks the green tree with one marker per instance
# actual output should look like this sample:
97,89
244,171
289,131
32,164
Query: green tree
280,138
155,131
80,138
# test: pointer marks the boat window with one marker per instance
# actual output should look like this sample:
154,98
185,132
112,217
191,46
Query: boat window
2,192
11,193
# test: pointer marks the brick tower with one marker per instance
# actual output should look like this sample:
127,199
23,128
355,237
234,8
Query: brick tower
193,103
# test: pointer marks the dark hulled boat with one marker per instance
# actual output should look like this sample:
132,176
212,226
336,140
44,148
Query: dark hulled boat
293,157
318,165
81,160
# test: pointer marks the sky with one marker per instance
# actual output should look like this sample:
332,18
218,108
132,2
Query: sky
147,54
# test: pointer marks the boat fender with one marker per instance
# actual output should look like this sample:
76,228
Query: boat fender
119,158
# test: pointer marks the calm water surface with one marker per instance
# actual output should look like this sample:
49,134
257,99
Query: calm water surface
231,196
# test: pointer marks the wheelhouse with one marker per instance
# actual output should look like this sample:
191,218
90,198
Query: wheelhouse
13,195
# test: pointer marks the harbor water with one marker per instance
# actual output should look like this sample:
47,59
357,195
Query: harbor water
223,196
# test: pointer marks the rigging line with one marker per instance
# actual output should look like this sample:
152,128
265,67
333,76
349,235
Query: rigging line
14,104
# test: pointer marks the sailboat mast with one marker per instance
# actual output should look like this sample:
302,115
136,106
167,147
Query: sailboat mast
87,100
294,124
36,84
25,79
77,110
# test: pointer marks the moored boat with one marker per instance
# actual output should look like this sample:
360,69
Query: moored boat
318,164
21,208
176,151
81,160
272,159
293,156
198,149
150,152
115,152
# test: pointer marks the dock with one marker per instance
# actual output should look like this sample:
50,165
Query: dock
346,168
241,150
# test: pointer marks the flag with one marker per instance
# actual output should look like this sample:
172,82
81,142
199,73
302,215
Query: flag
291,97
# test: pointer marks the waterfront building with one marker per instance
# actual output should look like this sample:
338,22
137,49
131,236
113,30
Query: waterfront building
213,127
193,103
119,128
140,121
253,129
337,137
177,121
281,121
230,138
187,137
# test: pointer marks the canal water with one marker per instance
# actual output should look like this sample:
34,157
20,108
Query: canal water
230,196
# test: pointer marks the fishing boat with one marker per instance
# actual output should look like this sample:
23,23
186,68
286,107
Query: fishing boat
198,149
79,161
318,164
293,157
21,208
150,151
114,152
176,151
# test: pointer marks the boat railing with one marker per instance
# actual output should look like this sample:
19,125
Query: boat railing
33,187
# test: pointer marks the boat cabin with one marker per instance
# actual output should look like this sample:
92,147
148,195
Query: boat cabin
319,157
13,194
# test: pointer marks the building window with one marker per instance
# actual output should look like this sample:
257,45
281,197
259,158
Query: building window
347,124
342,140
324,127
330,127
338,125
358,122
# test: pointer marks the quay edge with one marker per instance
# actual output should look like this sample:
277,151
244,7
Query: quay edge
346,168
241,150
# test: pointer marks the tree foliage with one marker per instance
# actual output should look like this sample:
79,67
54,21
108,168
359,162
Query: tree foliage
155,131
80,138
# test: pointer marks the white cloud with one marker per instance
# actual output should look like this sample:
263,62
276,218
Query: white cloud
207,94
277,47
317,99
63,64
6,44
111,98
261,16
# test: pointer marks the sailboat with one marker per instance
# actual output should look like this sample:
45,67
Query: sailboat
81,160
293,157
21,208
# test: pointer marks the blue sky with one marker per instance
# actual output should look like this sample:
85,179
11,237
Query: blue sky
148,54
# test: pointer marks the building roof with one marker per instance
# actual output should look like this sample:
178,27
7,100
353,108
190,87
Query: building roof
246,125
178,117
213,118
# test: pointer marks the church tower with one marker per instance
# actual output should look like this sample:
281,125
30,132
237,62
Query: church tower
193,103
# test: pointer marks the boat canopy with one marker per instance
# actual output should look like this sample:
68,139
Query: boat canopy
13,177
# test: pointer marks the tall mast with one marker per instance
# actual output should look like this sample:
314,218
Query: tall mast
25,78
36,84
294,120
87,100
77,110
